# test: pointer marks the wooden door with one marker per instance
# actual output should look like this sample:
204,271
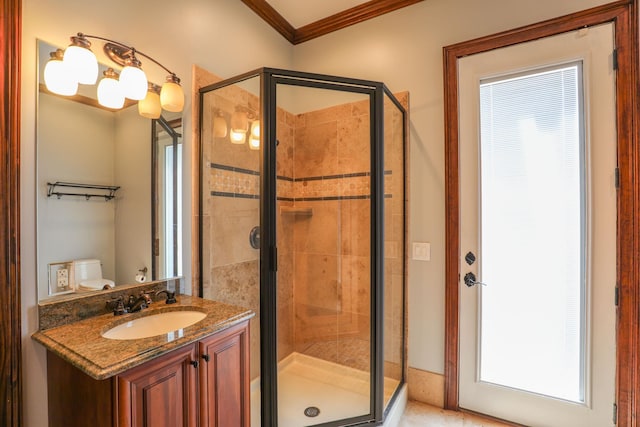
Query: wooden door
538,210
224,378
160,393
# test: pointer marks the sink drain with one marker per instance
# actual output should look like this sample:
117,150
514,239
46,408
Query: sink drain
312,411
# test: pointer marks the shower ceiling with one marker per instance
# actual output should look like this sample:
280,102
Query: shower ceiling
301,21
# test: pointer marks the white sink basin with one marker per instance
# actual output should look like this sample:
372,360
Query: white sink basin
154,324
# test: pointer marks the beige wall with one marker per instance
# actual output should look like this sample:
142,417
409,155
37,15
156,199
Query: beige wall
72,227
404,50
133,199
82,144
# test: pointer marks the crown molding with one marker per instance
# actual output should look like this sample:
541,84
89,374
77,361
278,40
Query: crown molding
346,18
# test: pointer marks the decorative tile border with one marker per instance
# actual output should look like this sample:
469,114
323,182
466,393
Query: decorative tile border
234,169
229,181
235,195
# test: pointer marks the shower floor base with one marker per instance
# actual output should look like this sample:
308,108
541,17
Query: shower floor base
337,391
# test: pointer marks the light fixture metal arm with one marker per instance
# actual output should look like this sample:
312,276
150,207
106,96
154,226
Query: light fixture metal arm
131,49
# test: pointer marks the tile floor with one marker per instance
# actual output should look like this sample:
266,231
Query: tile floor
341,391
421,415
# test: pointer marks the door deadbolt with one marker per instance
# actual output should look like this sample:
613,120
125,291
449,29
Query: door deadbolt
470,258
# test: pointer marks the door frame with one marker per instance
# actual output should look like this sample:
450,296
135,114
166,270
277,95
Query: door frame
10,310
623,14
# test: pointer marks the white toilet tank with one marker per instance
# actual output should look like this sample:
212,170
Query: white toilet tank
87,275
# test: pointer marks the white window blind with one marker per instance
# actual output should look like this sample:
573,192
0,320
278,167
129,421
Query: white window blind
532,232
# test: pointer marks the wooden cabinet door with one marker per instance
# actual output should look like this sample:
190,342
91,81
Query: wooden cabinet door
160,393
224,378
76,399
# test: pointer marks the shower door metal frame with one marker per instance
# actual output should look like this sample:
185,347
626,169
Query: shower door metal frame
269,79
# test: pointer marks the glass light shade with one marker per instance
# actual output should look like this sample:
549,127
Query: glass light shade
82,64
58,79
149,107
134,82
110,93
254,143
219,126
172,96
237,137
255,129
239,122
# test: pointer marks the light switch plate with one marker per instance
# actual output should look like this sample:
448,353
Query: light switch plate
421,251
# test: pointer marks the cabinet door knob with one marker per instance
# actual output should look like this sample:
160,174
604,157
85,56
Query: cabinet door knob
194,363
206,357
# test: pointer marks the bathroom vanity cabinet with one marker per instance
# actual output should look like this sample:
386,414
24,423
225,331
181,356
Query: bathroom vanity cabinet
205,383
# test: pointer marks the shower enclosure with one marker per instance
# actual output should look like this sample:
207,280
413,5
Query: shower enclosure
302,219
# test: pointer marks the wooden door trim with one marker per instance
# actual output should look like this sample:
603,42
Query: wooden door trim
624,16
10,309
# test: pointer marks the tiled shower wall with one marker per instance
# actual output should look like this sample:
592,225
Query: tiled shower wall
332,164
323,166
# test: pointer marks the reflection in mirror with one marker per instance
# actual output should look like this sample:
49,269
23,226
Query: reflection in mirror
86,242
167,184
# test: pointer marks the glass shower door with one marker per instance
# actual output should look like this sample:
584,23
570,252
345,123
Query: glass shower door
323,217
230,208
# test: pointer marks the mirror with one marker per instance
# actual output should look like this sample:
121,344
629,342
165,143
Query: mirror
108,189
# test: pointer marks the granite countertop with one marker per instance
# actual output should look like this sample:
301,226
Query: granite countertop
81,343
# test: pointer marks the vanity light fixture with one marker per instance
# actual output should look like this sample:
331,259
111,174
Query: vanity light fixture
150,107
255,129
219,124
171,96
132,79
83,68
254,136
239,126
237,137
56,75
81,60
110,92
254,143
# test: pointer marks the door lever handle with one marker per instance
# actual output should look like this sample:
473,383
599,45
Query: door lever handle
470,280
